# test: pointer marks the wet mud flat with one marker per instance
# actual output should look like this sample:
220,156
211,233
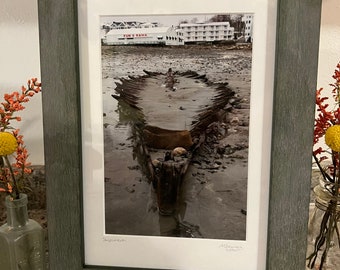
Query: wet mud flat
213,198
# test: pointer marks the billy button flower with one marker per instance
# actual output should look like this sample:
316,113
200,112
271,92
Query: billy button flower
8,143
332,138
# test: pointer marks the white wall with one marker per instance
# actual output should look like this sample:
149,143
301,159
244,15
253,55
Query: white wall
329,53
19,59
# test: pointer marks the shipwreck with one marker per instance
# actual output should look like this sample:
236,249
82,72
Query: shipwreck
174,115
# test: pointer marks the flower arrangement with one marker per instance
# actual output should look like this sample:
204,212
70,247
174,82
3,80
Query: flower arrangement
13,175
327,126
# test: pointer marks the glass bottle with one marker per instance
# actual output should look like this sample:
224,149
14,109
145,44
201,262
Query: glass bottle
21,238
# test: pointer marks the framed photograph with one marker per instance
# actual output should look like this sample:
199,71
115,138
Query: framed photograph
166,135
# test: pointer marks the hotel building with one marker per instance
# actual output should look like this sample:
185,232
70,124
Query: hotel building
206,32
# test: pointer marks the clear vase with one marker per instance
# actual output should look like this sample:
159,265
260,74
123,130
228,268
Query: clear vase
21,238
323,241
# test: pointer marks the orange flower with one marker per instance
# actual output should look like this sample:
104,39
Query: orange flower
11,174
9,187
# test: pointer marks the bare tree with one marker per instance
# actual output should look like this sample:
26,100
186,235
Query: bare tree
220,18
194,20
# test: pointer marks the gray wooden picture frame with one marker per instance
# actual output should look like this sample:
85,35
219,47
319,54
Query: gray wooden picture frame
296,62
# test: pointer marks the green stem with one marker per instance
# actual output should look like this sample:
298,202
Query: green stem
323,172
333,217
15,190
320,239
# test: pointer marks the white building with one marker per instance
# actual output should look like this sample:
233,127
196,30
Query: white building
248,30
143,36
207,32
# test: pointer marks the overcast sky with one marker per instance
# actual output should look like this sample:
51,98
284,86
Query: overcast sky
164,20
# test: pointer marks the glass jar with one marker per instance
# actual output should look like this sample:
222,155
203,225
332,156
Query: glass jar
323,219
21,238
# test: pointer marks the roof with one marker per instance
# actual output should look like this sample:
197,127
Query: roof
152,30
204,24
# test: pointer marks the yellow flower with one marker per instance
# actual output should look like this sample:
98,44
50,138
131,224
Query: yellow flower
8,143
332,137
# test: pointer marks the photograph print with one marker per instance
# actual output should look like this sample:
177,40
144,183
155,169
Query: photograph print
176,107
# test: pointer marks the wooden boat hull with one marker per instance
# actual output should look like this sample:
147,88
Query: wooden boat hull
195,102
